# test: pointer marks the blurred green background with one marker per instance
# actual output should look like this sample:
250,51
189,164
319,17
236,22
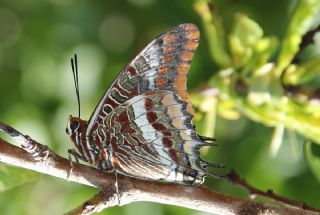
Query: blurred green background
38,38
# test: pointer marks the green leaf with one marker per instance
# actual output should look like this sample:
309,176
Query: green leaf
311,49
215,32
262,52
11,177
312,155
304,16
249,49
308,69
244,36
298,74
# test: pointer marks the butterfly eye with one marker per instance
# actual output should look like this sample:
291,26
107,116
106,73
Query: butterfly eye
74,126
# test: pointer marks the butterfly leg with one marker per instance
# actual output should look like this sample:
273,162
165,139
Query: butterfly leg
77,156
116,185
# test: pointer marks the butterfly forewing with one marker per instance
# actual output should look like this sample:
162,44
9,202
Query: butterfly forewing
142,126
162,65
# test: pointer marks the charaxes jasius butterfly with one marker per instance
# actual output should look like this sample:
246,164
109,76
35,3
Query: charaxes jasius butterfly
142,126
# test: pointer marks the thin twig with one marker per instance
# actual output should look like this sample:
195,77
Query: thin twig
235,179
130,189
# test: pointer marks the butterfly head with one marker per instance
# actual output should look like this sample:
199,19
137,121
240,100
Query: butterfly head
76,129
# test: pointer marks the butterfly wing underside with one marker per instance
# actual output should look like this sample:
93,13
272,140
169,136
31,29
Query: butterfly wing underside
144,120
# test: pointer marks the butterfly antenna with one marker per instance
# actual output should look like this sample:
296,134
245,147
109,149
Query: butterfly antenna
74,65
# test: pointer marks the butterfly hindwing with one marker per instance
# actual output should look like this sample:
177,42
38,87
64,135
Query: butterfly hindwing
144,135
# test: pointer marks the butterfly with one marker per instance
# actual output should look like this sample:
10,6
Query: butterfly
142,126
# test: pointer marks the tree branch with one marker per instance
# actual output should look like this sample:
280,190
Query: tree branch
40,158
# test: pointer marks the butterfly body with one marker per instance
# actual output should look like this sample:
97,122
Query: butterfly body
142,126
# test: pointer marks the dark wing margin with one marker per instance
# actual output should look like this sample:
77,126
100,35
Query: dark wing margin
162,65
